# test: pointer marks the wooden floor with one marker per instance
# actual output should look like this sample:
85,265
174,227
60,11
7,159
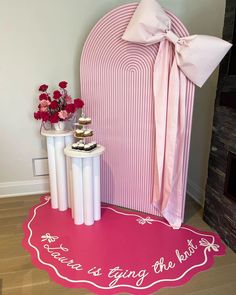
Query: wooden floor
18,275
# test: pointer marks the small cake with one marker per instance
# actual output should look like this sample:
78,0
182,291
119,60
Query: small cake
82,120
81,146
75,146
88,120
88,132
87,147
91,146
94,144
79,132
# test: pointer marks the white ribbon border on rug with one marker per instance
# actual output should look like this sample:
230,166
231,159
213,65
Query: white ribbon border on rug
203,242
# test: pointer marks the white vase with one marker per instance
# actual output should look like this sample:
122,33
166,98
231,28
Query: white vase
60,126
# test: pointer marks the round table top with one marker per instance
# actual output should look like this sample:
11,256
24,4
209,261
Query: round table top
82,154
55,133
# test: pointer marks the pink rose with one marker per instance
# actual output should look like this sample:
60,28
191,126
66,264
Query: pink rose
43,109
68,99
45,103
63,114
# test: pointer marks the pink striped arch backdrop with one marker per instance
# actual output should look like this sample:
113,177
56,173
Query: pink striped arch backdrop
116,85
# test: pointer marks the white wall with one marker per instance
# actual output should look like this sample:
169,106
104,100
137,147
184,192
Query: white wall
41,42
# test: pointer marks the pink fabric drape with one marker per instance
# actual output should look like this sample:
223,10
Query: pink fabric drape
178,59
170,117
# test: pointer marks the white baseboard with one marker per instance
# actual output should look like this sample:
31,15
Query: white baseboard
196,192
41,186
20,188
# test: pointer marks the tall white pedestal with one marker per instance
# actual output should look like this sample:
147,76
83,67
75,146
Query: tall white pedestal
85,184
58,166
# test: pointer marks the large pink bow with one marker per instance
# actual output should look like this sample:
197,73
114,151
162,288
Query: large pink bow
197,55
194,57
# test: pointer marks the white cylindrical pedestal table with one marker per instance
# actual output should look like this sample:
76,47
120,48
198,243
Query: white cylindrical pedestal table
85,169
59,181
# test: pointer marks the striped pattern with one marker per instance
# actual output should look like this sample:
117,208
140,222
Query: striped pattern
116,85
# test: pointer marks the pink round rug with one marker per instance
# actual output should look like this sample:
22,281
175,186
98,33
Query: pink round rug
123,252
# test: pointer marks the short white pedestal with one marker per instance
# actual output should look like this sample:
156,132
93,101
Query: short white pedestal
56,142
85,169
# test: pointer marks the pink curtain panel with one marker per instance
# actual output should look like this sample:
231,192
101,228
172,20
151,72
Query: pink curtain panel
117,87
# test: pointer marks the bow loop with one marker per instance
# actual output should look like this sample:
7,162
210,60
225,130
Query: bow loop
150,24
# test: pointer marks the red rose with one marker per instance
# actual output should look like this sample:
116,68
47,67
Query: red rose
43,96
78,103
56,94
37,115
63,84
54,118
44,116
54,105
70,108
43,87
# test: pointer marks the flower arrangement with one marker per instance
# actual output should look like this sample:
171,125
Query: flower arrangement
56,107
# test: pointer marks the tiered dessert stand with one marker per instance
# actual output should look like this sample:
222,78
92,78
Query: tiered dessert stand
83,133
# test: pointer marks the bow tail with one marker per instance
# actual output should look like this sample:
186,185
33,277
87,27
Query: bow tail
160,89
171,134
175,154
170,100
